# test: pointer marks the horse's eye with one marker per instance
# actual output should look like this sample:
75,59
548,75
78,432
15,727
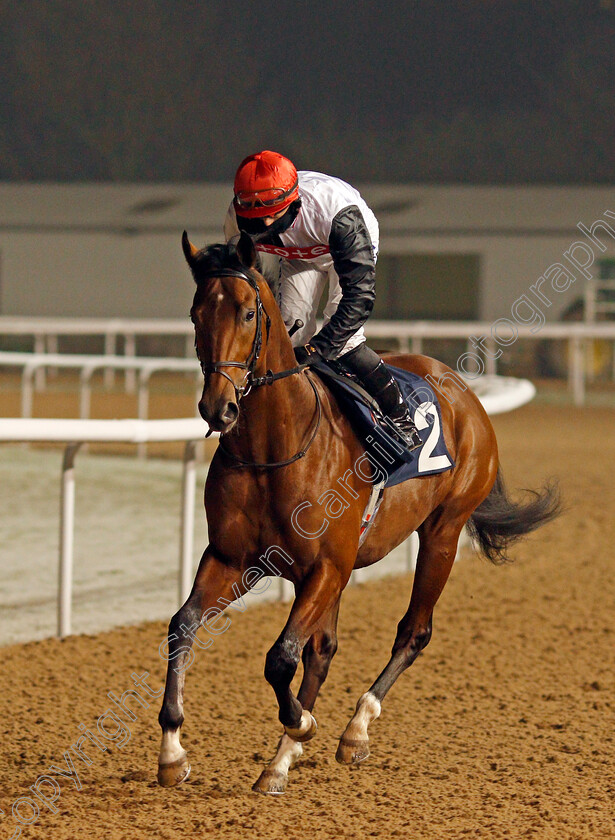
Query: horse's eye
250,315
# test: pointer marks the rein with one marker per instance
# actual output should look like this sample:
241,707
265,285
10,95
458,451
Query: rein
252,381
239,462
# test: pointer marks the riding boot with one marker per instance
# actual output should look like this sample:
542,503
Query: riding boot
385,390
374,376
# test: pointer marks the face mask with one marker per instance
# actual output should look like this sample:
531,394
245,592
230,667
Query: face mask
259,230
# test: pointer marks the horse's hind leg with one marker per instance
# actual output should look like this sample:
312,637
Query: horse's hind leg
317,655
213,580
438,545
317,595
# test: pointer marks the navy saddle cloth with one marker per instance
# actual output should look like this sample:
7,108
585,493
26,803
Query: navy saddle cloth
390,459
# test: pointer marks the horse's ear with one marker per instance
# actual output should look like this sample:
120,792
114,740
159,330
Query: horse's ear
246,251
190,252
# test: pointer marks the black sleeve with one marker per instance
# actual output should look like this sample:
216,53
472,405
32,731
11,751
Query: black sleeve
354,261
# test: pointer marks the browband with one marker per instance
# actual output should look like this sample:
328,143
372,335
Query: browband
229,272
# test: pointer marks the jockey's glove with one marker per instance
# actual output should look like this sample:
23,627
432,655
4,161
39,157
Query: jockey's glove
306,354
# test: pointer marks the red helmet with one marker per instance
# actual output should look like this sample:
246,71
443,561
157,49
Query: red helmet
265,183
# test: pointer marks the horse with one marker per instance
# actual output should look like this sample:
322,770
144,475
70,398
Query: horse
285,440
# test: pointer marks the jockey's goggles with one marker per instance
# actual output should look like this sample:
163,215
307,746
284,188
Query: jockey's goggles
263,198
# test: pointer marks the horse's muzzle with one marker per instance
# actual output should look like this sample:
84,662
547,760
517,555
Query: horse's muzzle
221,417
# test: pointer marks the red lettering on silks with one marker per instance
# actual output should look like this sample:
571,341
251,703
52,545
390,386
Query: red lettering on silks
291,252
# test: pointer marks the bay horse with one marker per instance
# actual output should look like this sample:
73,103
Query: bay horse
284,441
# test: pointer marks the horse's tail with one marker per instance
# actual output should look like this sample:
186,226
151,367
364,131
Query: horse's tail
498,521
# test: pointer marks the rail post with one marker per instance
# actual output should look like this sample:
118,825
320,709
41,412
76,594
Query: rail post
130,351
186,537
577,369
67,525
143,404
40,347
412,549
109,375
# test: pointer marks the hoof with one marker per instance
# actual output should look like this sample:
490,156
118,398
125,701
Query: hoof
170,775
271,781
351,752
300,734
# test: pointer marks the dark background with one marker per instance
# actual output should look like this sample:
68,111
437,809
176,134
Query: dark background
448,91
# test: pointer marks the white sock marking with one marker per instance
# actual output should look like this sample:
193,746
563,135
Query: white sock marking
170,749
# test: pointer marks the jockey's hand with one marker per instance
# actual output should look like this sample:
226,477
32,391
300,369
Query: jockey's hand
306,354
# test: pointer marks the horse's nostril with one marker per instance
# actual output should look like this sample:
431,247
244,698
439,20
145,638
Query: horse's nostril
230,412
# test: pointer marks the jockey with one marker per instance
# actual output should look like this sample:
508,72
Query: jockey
312,229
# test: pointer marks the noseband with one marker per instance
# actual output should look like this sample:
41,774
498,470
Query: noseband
250,363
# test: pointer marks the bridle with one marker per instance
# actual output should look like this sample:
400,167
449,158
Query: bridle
251,381
250,363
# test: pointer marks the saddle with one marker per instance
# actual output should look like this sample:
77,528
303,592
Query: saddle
385,448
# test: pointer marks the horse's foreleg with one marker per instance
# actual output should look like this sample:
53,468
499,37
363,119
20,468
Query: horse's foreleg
435,559
317,655
213,580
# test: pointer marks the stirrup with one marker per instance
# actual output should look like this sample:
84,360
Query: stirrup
407,431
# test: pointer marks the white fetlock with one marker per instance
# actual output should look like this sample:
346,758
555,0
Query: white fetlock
368,709
171,749
353,747
306,729
173,764
274,777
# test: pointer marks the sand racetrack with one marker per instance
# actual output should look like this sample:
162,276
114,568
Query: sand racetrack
503,728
